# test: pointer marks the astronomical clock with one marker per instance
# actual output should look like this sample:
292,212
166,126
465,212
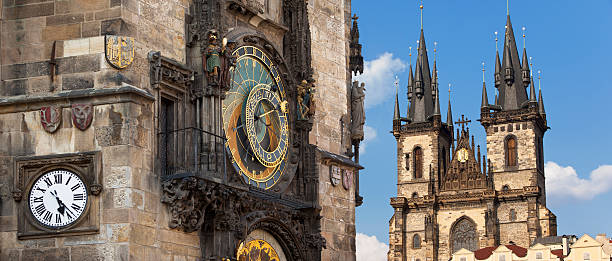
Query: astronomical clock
255,119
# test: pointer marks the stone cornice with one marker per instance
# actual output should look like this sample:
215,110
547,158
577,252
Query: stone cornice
469,198
123,94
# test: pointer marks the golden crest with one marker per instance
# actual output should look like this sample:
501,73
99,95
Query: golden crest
119,50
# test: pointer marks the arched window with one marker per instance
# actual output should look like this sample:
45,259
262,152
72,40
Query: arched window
586,256
416,241
512,215
505,188
415,195
463,235
511,156
418,162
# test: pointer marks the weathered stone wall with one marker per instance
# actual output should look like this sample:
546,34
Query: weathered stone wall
329,27
415,224
134,224
407,184
446,219
513,229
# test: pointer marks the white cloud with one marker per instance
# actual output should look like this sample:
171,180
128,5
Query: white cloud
379,75
369,135
564,182
370,249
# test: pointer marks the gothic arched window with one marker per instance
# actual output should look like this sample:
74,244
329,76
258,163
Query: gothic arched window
415,195
512,215
506,188
463,235
418,162
416,241
511,152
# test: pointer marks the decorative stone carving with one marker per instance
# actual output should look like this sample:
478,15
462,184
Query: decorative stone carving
228,62
347,179
50,118
82,115
305,100
119,50
355,60
357,111
335,174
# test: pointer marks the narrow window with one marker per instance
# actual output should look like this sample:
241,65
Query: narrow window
586,256
415,195
502,258
511,157
416,241
539,255
407,160
166,135
418,162
463,259
505,188
443,160
512,215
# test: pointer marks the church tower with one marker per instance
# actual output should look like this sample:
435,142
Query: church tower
450,196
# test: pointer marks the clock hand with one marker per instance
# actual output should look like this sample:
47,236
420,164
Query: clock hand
61,207
259,117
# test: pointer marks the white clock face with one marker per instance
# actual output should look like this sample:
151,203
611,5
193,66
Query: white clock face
58,198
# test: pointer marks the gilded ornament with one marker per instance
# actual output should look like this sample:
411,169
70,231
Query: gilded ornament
119,50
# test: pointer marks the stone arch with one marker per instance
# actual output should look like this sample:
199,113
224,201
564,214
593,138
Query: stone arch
463,234
288,241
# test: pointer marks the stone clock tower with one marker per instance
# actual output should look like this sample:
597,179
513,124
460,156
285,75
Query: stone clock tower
179,130
450,196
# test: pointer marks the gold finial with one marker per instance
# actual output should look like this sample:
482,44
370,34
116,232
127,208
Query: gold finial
435,50
421,7
410,54
539,80
524,28
483,71
496,47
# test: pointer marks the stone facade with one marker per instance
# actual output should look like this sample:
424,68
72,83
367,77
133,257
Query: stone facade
452,197
52,53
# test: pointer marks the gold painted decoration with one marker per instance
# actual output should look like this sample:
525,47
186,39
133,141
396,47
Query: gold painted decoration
462,155
119,50
257,250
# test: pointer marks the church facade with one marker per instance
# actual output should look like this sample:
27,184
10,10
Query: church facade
179,130
450,195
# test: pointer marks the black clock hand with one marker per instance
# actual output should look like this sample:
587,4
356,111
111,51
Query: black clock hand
62,207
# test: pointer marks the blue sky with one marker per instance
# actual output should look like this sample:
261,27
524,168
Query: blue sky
569,42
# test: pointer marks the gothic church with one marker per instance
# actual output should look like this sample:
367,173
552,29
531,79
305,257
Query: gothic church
449,196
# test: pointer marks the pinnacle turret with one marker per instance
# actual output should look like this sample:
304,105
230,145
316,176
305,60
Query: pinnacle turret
525,69
498,80
485,100
396,110
422,103
541,104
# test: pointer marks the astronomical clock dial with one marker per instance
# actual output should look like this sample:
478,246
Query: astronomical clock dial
255,119
58,198
462,155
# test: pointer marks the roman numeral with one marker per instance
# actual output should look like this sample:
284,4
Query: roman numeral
77,197
48,181
69,213
58,218
58,178
48,216
69,177
41,190
75,187
38,199
40,209
76,207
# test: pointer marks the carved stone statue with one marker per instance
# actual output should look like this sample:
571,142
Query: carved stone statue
212,61
305,100
228,62
357,112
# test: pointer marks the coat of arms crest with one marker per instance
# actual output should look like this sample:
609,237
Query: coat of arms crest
82,114
119,50
335,174
347,179
50,118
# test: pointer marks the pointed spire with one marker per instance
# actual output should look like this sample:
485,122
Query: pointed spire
540,100
434,80
485,100
513,94
508,70
396,111
498,80
437,106
410,84
525,69
449,114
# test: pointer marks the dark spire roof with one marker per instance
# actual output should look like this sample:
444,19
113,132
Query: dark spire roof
437,106
512,93
396,111
497,70
410,90
422,106
541,104
485,99
449,115
525,68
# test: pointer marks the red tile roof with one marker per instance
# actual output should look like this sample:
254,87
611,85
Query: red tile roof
486,252
558,253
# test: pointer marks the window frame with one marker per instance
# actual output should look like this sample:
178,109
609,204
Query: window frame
417,162
508,151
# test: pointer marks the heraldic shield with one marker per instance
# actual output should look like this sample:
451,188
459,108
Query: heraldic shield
50,118
82,114
119,50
